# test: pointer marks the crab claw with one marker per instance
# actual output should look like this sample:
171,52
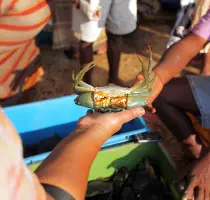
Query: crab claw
85,99
145,85
79,85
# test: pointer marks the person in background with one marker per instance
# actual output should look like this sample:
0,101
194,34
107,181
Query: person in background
20,65
192,11
119,17
64,173
173,98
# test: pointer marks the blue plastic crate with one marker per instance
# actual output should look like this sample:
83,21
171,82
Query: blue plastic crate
41,120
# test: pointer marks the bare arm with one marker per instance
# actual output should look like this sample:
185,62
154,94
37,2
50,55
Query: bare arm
173,61
177,56
69,164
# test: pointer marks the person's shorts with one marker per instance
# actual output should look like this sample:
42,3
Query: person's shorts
119,17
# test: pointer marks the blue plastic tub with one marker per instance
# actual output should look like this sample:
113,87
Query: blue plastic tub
41,120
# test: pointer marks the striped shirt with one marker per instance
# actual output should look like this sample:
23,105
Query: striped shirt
20,22
17,182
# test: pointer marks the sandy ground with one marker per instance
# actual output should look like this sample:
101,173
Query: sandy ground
58,72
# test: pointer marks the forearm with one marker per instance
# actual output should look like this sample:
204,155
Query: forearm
177,57
68,165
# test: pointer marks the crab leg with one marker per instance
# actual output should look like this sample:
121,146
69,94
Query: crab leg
146,89
142,72
79,90
81,74
136,101
82,87
79,85
146,82
150,64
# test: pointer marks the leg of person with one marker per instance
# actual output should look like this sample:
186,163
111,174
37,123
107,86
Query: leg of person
113,54
172,104
71,53
86,56
122,20
21,98
89,31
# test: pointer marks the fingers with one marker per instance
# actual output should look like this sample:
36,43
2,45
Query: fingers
189,194
85,119
128,115
150,108
139,78
118,118
89,112
201,193
207,193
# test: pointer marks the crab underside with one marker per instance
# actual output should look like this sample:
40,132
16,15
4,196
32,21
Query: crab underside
112,98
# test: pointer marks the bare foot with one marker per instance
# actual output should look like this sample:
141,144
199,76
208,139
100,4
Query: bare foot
200,179
195,150
193,146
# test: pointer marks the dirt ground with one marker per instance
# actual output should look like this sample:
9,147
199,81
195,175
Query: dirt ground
58,71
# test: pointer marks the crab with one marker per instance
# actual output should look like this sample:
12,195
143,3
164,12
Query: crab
113,98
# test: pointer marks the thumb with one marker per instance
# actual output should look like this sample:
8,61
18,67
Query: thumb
150,108
139,78
189,193
128,115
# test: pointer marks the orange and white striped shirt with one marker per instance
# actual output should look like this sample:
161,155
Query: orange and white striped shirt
17,182
20,22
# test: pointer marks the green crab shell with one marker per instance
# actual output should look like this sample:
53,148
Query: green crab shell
113,90
88,100
85,99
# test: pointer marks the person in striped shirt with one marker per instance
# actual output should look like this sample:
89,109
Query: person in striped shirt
20,66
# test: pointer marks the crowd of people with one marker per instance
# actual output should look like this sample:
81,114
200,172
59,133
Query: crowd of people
64,174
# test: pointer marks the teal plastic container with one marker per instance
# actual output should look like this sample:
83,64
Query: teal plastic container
40,120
